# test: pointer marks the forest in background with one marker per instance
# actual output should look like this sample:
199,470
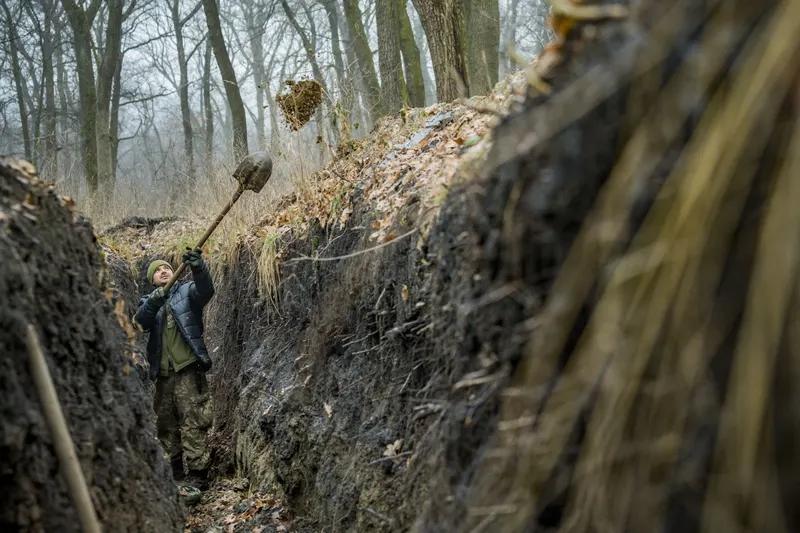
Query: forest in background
127,104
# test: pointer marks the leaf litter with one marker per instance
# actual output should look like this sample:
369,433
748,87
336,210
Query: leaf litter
403,171
229,507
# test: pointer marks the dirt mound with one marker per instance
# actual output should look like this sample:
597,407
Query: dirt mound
300,102
137,241
50,276
567,340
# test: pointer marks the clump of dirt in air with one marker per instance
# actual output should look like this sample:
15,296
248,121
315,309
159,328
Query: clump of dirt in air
300,102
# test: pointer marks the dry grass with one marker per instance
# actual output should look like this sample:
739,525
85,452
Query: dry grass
267,268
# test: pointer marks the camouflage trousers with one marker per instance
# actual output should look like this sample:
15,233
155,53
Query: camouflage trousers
183,416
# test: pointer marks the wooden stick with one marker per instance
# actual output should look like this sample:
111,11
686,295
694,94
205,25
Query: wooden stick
205,237
62,442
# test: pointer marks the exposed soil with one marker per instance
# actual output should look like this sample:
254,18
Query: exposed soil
387,377
52,276
569,317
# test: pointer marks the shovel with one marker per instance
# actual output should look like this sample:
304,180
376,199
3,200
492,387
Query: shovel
252,173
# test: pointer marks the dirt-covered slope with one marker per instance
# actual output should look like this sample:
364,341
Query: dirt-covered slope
577,316
427,339
52,276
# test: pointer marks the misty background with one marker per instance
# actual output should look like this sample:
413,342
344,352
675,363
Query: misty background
129,105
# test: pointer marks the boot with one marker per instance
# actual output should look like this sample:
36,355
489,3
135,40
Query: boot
177,468
198,478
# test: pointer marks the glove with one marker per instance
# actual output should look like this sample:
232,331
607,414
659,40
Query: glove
205,362
193,257
158,297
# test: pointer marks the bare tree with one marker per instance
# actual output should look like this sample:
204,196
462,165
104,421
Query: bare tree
359,117
443,21
109,62
257,15
49,157
178,23
208,111
393,85
308,38
411,58
363,53
11,23
422,45
508,35
80,21
235,104
336,49
309,46
483,29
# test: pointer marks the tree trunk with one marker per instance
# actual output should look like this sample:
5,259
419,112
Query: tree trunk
80,21
105,80
258,74
359,118
411,58
443,21
65,107
207,108
344,108
393,86
274,132
238,116
422,45
13,48
50,156
509,37
183,91
115,99
366,66
257,18
336,49
311,56
32,89
483,28
308,47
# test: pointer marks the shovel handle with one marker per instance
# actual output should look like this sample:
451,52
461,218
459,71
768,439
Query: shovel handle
63,444
205,237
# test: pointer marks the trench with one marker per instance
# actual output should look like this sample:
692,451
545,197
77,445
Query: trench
541,322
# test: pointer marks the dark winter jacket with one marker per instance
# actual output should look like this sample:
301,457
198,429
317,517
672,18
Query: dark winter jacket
186,300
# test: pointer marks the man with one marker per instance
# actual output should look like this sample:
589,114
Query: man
178,361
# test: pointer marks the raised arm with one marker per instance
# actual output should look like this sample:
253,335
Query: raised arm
202,288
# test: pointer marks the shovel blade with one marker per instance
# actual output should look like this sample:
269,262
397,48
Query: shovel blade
254,171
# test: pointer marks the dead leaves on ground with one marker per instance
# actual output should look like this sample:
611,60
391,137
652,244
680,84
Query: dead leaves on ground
228,507
401,173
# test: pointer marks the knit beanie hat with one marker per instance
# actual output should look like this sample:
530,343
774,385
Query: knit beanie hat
151,269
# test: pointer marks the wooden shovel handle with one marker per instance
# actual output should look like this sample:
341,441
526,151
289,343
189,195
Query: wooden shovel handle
205,237
62,440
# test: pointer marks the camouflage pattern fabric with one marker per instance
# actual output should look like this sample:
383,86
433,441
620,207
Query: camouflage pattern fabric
183,411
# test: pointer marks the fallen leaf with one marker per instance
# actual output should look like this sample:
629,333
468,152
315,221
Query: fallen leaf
393,449
404,293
